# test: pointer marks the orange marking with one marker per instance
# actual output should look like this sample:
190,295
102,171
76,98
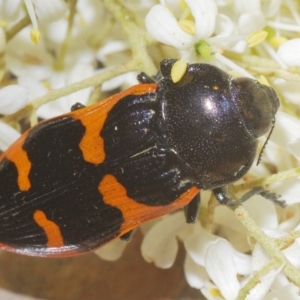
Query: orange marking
93,118
51,229
19,157
134,213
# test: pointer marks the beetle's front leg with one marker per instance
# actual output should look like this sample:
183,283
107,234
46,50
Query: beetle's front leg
191,210
223,196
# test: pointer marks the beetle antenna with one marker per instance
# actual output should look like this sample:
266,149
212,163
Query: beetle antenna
265,144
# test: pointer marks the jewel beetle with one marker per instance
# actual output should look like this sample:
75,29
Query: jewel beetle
74,182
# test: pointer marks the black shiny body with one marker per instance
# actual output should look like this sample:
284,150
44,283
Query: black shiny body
158,145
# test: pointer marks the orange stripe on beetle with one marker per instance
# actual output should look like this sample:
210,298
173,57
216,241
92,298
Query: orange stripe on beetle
134,213
19,157
93,118
51,229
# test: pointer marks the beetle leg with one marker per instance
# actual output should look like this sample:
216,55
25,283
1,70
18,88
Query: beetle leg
191,210
76,106
145,78
127,236
273,197
223,197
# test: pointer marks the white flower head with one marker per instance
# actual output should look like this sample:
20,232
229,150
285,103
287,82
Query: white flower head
289,52
160,244
221,267
12,98
8,135
207,36
184,35
44,11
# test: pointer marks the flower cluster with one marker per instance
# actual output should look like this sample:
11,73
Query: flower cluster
54,53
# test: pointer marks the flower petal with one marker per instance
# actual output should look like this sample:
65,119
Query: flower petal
195,275
270,8
8,135
211,292
49,10
289,52
242,262
63,105
112,251
262,212
224,26
221,268
290,90
287,133
163,26
288,189
12,98
204,12
26,59
196,245
290,216
2,40
160,244
9,10
260,258
250,22
292,253
283,291
245,6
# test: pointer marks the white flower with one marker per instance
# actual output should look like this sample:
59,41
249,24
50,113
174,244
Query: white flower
62,105
259,260
8,135
162,25
221,267
287,133
43,10
25,59
112,251
211,33
161,246
289,52
195,274
12,98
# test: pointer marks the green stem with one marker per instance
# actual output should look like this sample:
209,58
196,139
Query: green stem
11,32
255,279
266,181
59,64
269,244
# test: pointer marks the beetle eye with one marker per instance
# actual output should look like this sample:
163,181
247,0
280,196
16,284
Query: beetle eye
257,104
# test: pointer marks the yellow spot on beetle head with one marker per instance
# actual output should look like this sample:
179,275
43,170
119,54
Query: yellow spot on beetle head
178,70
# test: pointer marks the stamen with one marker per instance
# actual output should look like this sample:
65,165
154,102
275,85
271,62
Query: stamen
274,55
293,10
256,38
283,26
232,65
263,80
34,34
187,26
178,70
